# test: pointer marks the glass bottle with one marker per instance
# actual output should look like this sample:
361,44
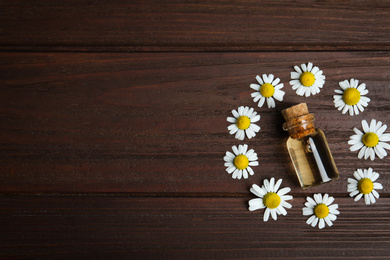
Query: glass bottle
308,148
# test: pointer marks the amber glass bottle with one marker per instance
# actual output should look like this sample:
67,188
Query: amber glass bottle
308,148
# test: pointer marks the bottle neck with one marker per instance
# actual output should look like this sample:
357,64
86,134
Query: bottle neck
300,127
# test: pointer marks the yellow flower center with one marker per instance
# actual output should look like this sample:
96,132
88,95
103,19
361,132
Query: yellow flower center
351,96
241,162
321,210
370,139
365,186
267,90
243,122
271,200
307,79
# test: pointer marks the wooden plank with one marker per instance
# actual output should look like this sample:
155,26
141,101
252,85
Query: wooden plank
221,25
156,122
184,228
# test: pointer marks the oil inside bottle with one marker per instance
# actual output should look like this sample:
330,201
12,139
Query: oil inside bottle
312,159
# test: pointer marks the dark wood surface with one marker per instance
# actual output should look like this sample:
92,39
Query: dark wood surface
113,127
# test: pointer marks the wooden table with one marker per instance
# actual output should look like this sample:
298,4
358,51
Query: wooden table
113,127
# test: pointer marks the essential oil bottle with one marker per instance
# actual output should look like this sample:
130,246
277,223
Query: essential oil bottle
308,148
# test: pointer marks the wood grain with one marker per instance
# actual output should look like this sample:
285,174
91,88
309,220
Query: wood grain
113,127
156,122
155,25
184,228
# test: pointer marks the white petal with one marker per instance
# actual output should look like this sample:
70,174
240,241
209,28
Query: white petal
315,70
245,111
273,214
235,150
307,211
298,69
251,172
354,193
384,145
255,204
308,91
379,152
266,185
240,135
329,201
378,186
378,126
345,109
375,176
254,128
278,95
356,147
318,198
358,197
277,185
311,219
266,214
256,96
371,153
241,110
270,102
304,67
258,78
375,193
239,174
245,174
295,75
257,190
325,198
235,173
255,87
286,197
366,199
365,126
384,137
352,181
314,223
372,198
358,132
270,78
230,169
328,221
361,87
332,217
286,204
362,152
372,125
282,210
311,201
283,191
255,118
261,102
272,184
253,163
321,224
275,82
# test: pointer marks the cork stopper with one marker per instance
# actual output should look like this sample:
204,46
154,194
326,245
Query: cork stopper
295,111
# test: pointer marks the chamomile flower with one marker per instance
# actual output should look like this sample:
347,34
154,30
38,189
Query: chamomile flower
244,123
371,142
307,80
270,198
268,89
351,97
364,185
240,160
321,210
